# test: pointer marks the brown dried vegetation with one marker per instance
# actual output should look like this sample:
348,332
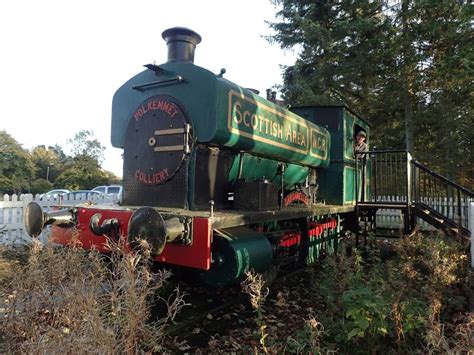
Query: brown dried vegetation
401,296
73,301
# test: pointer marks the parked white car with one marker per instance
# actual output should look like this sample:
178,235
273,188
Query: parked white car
54,194
110,190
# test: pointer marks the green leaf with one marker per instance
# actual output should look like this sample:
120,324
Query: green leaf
362,322
354,332
382,330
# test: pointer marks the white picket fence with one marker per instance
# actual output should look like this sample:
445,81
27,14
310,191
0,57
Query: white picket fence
12,229
391,218
11,213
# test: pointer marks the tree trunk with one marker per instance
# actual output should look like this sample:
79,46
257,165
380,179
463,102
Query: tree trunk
408,109
406,77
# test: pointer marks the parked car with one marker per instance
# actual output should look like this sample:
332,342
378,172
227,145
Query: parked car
54,194
82,194
110,190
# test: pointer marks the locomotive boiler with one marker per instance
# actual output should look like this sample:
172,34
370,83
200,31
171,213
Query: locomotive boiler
217,178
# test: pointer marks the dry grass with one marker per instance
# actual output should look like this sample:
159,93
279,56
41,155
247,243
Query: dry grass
438,267
460,342
254,286
71,301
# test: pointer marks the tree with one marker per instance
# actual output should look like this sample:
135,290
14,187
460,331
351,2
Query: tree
112,178
82,172
448,110
48,162
16,167
40,185
84,144
343,56
406,66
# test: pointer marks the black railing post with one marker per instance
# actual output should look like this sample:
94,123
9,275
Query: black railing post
459,210
356,177
363,183
416,192
416,184
408,217
373,166
409,179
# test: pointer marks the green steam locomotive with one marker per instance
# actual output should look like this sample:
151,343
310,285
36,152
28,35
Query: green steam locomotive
217,178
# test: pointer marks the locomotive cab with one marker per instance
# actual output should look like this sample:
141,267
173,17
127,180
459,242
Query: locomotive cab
338,182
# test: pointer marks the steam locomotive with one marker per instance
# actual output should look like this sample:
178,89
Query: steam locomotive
217,178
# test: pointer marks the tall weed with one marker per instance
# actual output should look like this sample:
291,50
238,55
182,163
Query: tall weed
254,286
378,304
75,301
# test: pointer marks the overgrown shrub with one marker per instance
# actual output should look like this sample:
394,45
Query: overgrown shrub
400,296
74,301
404,303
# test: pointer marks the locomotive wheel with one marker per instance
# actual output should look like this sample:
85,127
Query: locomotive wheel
270,275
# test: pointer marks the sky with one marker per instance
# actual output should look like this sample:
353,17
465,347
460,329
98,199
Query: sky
62,61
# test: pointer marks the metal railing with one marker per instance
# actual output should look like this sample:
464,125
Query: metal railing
383,174
441,194
386,173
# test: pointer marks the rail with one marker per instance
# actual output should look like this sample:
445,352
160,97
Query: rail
382,175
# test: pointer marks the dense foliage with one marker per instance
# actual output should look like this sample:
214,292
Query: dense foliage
404,296
44,168
393,297
16,166
406,66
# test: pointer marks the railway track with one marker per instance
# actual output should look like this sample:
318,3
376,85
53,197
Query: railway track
216,312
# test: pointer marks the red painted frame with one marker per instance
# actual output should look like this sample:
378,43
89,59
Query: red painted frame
197,255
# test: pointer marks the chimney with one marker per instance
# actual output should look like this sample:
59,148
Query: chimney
181,44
